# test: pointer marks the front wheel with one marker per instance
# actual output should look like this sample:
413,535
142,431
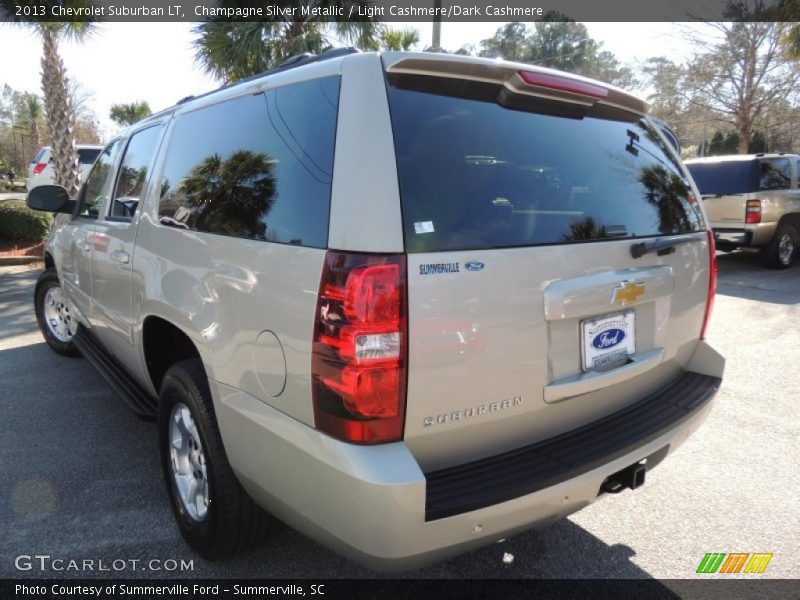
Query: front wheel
782,248
56,322
214,513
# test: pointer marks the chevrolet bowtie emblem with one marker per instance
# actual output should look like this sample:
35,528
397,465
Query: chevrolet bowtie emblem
627,293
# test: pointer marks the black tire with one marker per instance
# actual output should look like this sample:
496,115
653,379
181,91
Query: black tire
47,280
782,248
233,522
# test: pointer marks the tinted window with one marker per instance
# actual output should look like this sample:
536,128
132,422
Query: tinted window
95,190
256,167
725,178
88,155
774,174
133,172
476,175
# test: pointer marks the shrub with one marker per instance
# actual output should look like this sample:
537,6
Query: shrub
18,222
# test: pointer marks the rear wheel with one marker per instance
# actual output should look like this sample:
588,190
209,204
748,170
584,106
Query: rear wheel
214,513
782,249
56,322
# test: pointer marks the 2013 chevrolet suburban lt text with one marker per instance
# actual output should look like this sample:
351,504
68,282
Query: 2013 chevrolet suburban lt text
408,303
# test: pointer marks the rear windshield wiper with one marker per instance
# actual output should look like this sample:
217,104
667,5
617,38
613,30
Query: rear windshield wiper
660,245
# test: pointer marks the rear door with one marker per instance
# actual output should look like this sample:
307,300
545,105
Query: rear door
528,314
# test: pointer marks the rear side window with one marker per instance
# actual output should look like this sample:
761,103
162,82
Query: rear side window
476,175
257,167
133,172
774,174
88,155
725,178
39,155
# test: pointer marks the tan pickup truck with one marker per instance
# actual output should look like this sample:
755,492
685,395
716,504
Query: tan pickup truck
752,200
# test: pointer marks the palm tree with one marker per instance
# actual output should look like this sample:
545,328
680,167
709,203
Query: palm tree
128,114
33,114
234,50
399,39
57,99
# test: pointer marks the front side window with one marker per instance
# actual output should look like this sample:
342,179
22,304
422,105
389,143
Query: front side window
257,167
96,188
133,172
774,174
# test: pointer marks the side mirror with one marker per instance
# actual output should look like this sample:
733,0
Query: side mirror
50,198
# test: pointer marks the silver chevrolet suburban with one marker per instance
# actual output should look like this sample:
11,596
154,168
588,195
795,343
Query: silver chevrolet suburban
408,303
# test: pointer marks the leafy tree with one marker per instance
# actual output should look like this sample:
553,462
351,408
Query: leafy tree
234,50
717,145
732,143
57,99
758,143
741,75
510,42
128,114
558,43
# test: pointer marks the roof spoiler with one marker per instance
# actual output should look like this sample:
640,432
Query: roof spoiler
519,80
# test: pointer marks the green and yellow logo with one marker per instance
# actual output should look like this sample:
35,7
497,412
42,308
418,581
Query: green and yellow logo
736,562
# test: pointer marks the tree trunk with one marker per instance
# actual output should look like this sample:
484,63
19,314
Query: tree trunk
745,133
36,141
60,114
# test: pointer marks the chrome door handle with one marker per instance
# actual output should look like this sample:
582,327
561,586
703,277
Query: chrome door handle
120,256
84,245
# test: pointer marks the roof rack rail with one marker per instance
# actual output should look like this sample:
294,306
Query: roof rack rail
184,99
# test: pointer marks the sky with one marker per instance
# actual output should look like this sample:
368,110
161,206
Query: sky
124,62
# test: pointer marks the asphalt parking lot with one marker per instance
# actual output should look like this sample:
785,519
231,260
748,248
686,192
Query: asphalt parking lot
80,478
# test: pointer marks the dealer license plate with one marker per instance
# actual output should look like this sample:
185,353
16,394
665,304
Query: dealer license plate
609,340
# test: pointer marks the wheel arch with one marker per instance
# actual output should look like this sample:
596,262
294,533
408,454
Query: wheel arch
792,219
163,345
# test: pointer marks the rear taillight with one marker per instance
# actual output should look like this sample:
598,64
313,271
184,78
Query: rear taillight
39,168
358,363
563,84
753,211
712,281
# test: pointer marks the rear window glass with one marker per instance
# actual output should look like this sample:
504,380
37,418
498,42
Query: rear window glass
724,178
88,155
39,155
476,175
256,167
774,174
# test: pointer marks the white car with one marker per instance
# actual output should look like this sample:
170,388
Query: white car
41,172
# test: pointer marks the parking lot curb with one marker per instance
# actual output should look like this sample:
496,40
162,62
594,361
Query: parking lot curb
7,261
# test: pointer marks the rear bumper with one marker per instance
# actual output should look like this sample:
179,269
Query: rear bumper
758,234
375,505
732,237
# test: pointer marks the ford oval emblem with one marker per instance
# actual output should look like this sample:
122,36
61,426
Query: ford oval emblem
608,339
474,265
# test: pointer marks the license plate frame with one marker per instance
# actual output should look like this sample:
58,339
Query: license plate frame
599,352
